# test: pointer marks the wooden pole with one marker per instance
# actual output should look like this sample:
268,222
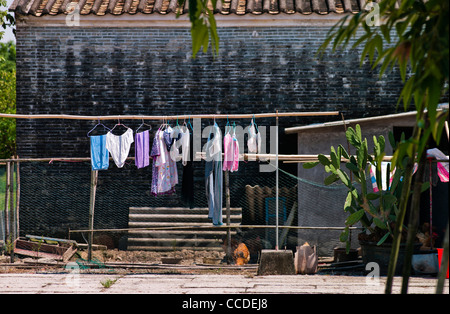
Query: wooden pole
94,176
7,195
172,117
17,196
277,187
12,208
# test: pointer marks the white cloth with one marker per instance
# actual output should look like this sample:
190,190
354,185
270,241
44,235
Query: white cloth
215,149
185,146
119,146
254,140
184,142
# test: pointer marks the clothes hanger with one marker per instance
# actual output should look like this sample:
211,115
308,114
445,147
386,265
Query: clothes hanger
227,126
99,123
142,124
189,123
163,124
119,124
254,122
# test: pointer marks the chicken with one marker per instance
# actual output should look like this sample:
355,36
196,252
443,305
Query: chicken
241,254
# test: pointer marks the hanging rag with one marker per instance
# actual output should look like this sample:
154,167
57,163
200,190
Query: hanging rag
214,176
231,153
141,149
164,167
119,146
99,153
384,166
252,142
442,167
155,153
187,185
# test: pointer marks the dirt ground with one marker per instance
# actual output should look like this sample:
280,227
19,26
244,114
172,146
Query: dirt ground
189,257
123,262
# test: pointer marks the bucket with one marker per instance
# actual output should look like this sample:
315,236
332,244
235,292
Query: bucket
440,253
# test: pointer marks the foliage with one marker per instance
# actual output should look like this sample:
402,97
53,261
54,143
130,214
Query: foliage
375,211
413,35
6,19
203,25
7,105
8,56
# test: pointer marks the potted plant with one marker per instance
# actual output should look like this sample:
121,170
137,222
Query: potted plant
376,211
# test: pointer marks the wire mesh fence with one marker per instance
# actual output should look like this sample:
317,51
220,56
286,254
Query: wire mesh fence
55,196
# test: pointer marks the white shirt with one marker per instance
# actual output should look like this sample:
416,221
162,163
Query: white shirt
119,146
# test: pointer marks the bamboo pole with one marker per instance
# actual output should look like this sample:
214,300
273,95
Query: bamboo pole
7,195
213,227
277,190
171,117
94,176
17,196
285,158
12,208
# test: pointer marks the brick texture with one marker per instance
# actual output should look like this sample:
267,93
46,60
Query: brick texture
104,71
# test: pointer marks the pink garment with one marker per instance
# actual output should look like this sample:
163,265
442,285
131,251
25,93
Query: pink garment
231,153
442,172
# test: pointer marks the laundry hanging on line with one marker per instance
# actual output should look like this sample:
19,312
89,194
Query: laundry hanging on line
119,146
214,176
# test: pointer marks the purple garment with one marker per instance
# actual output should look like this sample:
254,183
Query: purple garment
141,148
155,152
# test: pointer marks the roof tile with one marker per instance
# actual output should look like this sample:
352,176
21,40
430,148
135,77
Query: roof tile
238,7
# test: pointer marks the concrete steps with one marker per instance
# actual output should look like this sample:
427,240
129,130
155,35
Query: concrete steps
208,238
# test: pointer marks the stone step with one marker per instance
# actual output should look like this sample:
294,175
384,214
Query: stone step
209,237
175,217
178,210
170,249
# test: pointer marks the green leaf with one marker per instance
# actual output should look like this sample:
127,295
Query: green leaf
354,218
352,167
383,239
343,237
331,179
361,155
344,152
358,132
348,201
323,160
425,186
334,159
199,34
392,141
373,196
343,177
380,224
310,165
389,200
352,137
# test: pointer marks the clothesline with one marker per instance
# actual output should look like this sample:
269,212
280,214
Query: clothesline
170,117
285,158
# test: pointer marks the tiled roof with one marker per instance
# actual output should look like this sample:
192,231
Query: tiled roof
239,7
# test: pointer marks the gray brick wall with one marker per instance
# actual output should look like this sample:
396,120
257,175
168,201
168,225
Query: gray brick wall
103,71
